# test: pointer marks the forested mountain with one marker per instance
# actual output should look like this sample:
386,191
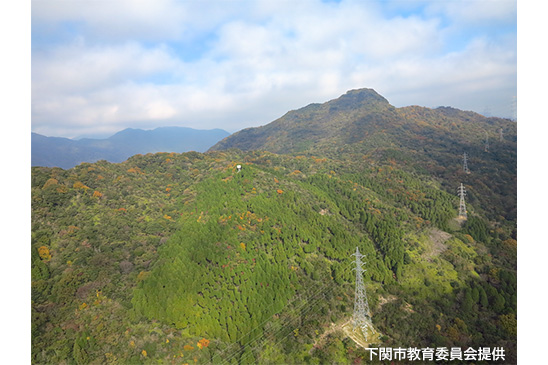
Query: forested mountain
182,258
365,117
67,153
362,125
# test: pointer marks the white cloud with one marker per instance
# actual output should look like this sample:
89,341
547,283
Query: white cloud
475,11
118,19
78,67
261,60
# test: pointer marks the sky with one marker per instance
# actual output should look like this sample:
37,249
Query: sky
101,66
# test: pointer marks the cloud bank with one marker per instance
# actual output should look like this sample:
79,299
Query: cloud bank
98,67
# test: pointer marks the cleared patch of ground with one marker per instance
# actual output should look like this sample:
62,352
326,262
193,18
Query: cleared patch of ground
358,336
345,328
383,300
435,244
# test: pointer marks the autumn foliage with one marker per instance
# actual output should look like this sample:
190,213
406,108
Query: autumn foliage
202,343
44,253
135,170
79,185
50,182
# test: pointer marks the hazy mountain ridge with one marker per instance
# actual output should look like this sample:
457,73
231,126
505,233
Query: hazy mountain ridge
67,153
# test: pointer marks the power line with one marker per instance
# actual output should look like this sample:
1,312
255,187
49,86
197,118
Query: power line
311,301
307,311
301,309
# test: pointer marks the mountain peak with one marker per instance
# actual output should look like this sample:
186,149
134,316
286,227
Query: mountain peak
359,97
313,124
363,94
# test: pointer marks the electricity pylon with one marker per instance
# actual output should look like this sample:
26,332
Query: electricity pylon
501,138
515,108
362,316
486,142
462,205
465,164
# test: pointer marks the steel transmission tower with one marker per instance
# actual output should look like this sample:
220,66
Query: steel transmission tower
486,142
465,164
362,316
462,205
515,108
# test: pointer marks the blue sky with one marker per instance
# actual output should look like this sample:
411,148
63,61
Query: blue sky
102,66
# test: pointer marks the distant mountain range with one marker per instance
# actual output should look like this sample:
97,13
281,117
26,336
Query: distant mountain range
67,153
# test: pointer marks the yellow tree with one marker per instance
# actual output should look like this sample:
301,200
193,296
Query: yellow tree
44,253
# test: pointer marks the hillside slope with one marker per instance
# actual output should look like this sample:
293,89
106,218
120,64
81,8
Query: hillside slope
180,257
